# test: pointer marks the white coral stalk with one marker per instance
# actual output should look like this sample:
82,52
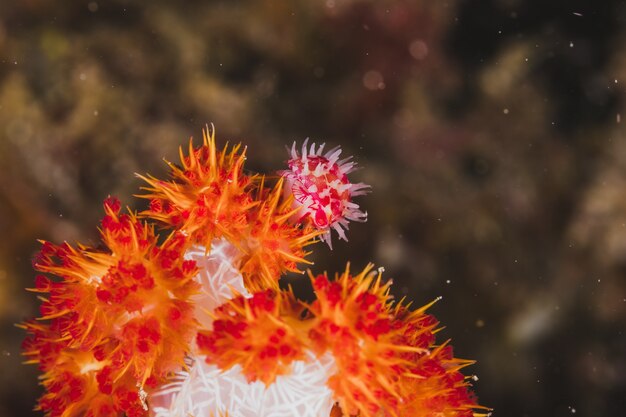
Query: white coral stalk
205,390
217,276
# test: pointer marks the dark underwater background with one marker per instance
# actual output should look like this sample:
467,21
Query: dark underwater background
492,133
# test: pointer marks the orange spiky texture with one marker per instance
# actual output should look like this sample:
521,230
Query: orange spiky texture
438,389
353,321
209,194
380,349
258,333
210,197
73,389
272,244
127,307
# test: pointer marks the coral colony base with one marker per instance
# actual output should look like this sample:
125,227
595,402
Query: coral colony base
192,322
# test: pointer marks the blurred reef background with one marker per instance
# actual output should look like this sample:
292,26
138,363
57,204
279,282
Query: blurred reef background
491,132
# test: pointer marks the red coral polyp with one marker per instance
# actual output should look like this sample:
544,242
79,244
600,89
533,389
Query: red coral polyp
322,191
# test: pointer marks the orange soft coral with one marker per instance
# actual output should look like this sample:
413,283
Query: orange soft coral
384,358
194,323
380,349
122,313
437,388
210,197
272,244
354,322
259,333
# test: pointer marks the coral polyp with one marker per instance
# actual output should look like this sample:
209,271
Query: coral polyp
191,321
322,191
